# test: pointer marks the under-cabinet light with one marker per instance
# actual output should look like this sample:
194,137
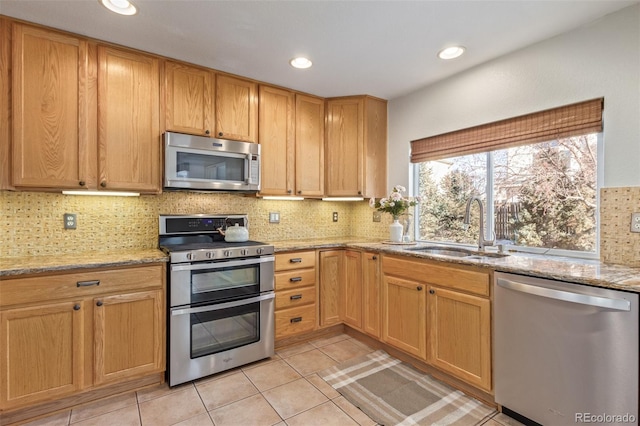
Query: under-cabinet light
282,198
103,193
342,198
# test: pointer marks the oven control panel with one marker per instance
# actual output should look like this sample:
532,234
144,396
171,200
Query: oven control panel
203,255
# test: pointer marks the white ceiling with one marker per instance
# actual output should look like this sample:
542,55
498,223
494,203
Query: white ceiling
381,48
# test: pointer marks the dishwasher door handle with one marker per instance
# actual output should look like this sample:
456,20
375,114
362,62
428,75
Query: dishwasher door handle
583,299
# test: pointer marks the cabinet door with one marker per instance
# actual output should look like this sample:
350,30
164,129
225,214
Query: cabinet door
460,335
352,289
404,323
129,335
41,356
189,107
277,137
344,149
309,146
331,271
236,109
128,123
50,114
372,305
375,146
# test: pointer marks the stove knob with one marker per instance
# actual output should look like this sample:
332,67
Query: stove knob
259,251
244,252
209,255
227,253
189,256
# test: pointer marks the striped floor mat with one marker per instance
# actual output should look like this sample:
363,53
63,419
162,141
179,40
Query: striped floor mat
394,393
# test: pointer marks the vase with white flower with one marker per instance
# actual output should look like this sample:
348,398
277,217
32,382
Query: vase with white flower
395,204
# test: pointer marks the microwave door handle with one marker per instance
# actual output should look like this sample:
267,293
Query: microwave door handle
247,170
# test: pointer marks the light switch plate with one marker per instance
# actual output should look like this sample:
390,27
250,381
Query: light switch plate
70,221
635,222
274,217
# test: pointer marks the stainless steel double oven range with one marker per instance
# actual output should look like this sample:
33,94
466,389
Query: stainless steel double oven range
221,297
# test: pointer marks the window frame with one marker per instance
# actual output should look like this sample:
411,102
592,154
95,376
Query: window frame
490,211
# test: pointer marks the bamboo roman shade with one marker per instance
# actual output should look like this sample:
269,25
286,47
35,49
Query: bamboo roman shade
570,120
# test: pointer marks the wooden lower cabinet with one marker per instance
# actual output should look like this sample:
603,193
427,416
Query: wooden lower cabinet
352,289
128,335
459,335
106,327
295,286
42,353
371,295
404,322
331,271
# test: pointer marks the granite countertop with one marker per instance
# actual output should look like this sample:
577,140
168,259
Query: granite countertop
37,264
575,270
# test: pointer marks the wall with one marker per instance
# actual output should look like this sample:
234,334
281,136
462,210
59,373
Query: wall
598,60
31,222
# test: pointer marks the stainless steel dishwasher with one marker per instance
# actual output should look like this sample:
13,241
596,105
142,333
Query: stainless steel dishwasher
565,353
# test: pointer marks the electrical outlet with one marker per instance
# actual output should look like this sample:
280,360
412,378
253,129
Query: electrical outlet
70,221
335,216
635,222
377,216
274,217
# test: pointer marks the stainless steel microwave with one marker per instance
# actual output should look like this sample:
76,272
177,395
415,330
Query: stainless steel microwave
201,163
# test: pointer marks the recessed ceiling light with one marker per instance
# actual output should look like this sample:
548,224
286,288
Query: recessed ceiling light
123,7
300,62
451,52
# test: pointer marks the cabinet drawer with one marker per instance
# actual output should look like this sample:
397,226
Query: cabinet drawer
294,279
295,320
295,297
60,286
299,260
427,272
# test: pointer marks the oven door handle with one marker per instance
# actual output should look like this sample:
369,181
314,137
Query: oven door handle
222,264
218,306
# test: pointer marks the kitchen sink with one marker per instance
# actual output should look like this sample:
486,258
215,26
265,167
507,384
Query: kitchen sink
456,252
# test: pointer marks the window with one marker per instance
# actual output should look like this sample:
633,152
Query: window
540,195
537,176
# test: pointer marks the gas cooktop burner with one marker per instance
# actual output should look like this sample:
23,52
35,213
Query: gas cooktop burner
196,238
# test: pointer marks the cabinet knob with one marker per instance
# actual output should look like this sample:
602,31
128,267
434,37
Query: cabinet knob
299,192
374,257
220,134
207,132
81,183
76,307
103,184
289,191
99,303
419,288
359,192
432,291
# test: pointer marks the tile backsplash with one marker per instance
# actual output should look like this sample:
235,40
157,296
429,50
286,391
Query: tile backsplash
31,222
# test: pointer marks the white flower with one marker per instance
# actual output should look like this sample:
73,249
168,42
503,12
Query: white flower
400,188
391,204
396,196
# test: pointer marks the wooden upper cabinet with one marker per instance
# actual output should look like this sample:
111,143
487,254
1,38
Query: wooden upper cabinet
128,121
309,146
50,142
189,99
277,140
5,103
356,146
236,108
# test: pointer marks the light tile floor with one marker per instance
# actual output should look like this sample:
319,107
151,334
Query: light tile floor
282,390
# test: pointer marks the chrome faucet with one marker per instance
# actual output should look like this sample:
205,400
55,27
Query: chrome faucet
482,243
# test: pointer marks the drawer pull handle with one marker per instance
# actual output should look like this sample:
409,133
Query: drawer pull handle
296,297
295,279
295,260
296,319
87,283
76,307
